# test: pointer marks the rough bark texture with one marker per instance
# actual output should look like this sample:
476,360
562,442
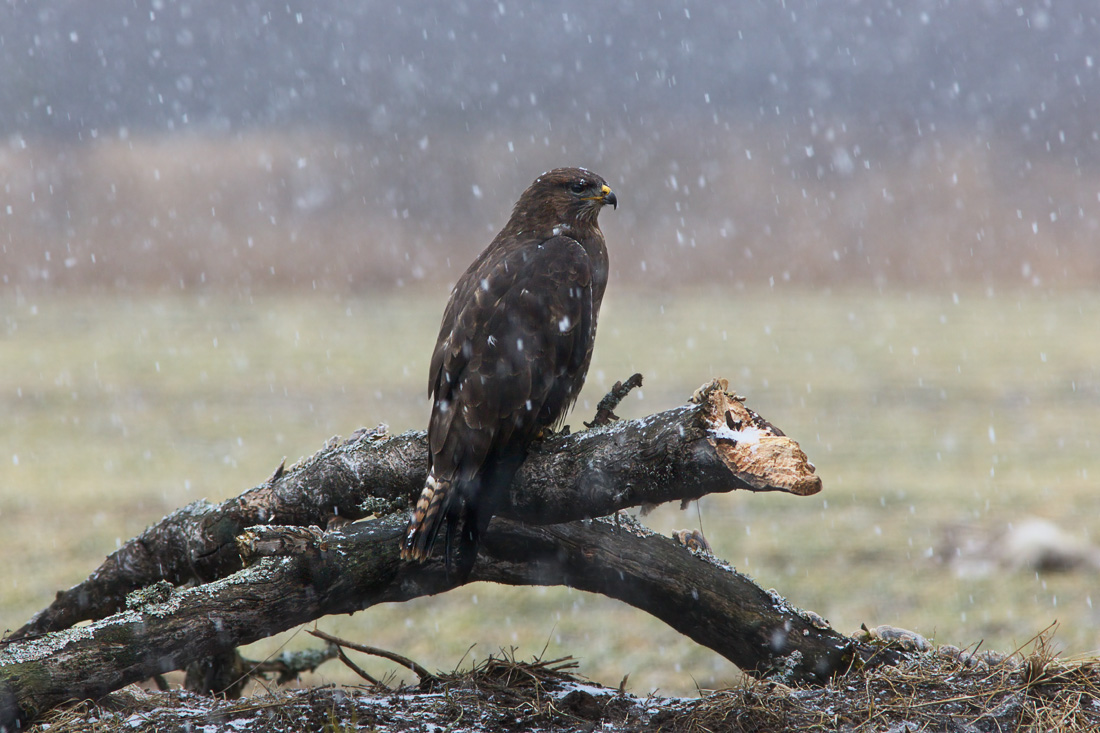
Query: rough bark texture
372,472
346,570
301,573
693,592
679,454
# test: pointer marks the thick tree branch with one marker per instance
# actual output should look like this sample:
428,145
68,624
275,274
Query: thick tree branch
693,592
301,573
715,444
369,473
358,566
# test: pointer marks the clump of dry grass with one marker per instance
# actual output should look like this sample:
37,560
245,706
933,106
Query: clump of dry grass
505,671
944,689
940,690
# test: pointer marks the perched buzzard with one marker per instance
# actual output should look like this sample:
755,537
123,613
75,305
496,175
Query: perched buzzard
512,354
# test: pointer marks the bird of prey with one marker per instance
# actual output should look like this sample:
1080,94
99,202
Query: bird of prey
512,354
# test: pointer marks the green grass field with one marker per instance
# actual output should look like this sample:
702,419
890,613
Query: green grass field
921,412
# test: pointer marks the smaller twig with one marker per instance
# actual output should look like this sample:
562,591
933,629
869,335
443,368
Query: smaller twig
405,662
605,410
356,668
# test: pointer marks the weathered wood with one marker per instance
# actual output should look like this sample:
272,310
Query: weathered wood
355,567
301,573
166,628
372,472
679,454
693,592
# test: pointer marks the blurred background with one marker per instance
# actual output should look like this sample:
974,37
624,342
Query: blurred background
228,230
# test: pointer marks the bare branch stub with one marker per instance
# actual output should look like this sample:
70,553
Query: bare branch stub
605,410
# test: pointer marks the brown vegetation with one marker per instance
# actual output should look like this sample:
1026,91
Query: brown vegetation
939,690
313,211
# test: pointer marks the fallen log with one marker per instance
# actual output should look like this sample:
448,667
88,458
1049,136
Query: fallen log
300,573
349,569
714,444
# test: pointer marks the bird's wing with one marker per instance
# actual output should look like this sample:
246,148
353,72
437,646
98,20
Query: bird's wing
513,348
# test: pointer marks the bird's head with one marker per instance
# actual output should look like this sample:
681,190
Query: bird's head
571,196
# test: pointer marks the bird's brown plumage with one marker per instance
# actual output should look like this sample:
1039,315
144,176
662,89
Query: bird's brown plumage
512,354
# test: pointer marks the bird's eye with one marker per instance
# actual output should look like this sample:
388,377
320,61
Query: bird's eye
578,186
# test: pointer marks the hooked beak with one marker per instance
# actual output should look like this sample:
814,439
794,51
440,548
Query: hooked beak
606,196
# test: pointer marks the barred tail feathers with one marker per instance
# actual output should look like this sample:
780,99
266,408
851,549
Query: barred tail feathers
426,520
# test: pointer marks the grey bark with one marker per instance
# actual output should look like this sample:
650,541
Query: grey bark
346,570
301,573
673,455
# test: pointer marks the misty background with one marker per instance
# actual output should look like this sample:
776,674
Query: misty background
228,231
367,145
